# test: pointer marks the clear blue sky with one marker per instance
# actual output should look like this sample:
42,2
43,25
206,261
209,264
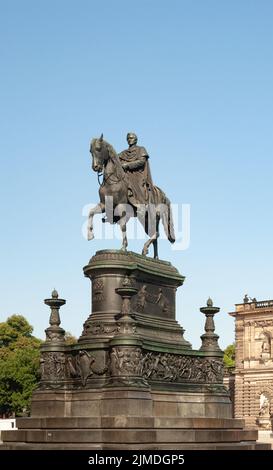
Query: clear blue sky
193,79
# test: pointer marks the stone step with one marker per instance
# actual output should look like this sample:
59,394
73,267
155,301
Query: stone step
127,436
129,422
139,446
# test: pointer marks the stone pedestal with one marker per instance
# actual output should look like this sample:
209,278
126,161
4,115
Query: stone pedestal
132,380
153,306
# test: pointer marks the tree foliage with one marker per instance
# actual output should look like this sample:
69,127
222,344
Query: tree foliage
14,327
70,339
19,365
229,356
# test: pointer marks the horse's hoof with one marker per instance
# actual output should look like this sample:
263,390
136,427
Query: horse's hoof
144,252
156,257
90,236
123,248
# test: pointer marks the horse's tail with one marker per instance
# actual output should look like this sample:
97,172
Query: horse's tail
168,222
166,214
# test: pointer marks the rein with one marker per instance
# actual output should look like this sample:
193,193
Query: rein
111,181
106,179
99,175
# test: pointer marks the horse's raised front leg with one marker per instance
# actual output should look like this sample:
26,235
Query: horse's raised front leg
98,209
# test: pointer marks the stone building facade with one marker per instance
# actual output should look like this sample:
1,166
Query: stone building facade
229,382
254,362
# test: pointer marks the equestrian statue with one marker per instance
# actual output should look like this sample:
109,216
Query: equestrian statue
127,190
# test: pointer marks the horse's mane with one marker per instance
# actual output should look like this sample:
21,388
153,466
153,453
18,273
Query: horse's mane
114,157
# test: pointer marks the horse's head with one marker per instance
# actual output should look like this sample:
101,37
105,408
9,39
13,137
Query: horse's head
98,150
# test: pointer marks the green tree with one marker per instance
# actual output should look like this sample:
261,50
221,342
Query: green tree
229,356
19,365
69,338
20,325
15,326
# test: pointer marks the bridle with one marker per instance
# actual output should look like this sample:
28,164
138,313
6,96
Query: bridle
107,178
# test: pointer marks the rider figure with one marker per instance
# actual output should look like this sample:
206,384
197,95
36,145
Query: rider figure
134,161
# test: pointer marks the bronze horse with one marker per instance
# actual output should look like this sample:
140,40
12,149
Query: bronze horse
115,185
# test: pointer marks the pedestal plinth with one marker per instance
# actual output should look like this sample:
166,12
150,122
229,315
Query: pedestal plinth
132,380
153,305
